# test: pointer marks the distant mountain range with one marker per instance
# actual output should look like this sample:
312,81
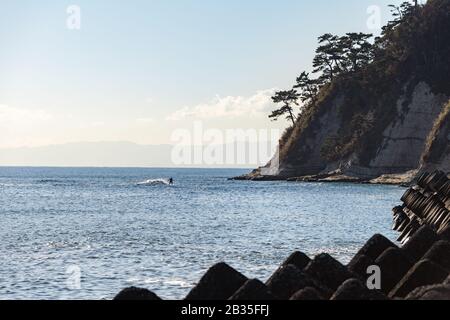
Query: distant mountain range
97,154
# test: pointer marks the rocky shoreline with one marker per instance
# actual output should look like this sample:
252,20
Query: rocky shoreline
405,179
417,269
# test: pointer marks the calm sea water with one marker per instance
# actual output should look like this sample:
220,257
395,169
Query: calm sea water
114,228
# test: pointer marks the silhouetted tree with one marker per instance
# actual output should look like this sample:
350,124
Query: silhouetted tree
327,57
288,99
307,87
400,42
399,13
390,46
356,50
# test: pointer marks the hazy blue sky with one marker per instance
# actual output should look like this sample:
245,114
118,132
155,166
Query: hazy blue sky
139,69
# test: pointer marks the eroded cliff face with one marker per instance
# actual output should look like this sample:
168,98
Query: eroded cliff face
437,152
405,146
404,140
304,157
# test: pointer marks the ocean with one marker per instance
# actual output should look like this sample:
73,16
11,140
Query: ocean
87,233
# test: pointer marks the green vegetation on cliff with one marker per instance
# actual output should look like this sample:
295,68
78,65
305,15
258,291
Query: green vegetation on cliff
360,81
438,140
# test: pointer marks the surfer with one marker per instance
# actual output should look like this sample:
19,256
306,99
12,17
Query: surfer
171,181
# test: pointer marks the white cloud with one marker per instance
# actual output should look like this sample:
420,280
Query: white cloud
145,120
11,117
20,126
97,124
258,104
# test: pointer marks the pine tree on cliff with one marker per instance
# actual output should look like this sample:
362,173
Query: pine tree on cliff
336,55
308,88
356,50
288,100
392,47
327,59
400,13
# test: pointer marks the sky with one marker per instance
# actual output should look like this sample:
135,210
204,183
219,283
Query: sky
139,70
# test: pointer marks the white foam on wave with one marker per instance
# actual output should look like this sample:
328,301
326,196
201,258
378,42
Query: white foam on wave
154,182
173,282
7,185
176,282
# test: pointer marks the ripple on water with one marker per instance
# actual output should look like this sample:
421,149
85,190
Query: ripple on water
165,238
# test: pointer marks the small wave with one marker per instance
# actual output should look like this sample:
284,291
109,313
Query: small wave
8,185
172,282
154,182
57,182
49,181
178,283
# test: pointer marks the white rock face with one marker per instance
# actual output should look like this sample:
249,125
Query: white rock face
273,167
404,140
400,151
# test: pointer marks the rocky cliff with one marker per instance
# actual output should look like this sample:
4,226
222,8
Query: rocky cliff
383,123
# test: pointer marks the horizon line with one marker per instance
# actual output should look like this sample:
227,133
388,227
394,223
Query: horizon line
125,167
